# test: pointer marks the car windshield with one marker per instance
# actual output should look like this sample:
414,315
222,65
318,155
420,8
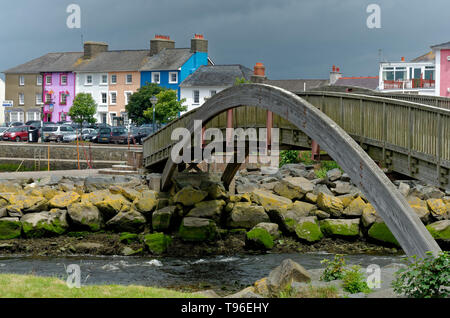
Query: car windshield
2,129
105,130
16,129
50,128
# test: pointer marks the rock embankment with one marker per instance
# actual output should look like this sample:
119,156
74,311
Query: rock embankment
269,209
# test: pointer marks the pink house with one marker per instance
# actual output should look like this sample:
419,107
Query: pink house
58,95
442,53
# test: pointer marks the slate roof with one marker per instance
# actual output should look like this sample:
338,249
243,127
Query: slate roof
217,75
428,57
166,60
364,82
51,62
442,45
298,85
113,61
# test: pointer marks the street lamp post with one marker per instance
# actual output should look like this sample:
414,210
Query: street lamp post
154,101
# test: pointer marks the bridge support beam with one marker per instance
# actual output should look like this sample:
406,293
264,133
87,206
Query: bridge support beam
404,224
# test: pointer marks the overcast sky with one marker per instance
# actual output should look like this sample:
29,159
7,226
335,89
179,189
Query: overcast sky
293,38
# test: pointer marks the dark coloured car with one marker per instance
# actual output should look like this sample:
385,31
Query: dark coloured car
16,124
92,136
18,133
139,134
104,135
119,135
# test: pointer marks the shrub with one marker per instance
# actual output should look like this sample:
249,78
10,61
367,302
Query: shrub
354,281
326,166
288,156
334,269
427,277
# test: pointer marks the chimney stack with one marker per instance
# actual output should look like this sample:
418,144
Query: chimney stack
159,43
403,58
335,74
259,73
91,49
199,44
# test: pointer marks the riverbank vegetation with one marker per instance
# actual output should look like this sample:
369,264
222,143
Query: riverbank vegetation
28,286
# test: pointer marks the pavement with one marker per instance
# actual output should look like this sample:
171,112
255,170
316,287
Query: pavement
43,174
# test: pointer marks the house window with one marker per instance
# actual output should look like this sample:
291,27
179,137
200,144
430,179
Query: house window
21,99
196,97
48,80
129,78
104,98
32,116
38,99
48,98
63,99
39,80
104,79
113,79
127,97
173,77
63,116
88,79
429,72
113,98
212,93
21,80
156,77
63,80
16,116
103,118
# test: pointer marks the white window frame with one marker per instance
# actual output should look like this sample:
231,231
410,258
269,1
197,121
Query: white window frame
39,80
35,116
127,100
39,99
102,78
159,77
170,78
61,81
21,99
111,99
101,98
193,97
126,79
113,76
86,83
51,80
19,115
21,80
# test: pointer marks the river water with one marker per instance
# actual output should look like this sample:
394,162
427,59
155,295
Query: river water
221,273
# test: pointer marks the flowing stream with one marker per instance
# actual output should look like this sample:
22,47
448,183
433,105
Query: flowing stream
221,273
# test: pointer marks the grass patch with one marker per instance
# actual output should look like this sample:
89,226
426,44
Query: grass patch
28,286
12,167
311,292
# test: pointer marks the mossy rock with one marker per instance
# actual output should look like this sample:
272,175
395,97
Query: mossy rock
128,238
161,219
330,204
307,229
63,200
197,229
340,228
10,228
380,232
189,196
157,243
260,238
440,230
45,224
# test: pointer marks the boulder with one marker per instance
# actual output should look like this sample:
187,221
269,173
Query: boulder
130,221
330,204
10,228
272,228
437,208
284,275
248,292
342,228
188,196
95,197
245,215
113,204
301,209
422,212
379,231
216,190
270,201
308,230
321,214
208,209
161,219
334,174
260,238
440,230
294,187
369,216
197,229
146,202
63,200
404,189
85,215
322,188
45,224
311,197
355,208
157,243
343,188
128,238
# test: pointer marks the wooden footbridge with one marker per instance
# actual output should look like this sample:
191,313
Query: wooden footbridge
355,130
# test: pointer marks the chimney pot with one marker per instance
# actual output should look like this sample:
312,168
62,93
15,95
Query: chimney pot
259,73
334,68
199,36
338,69
403,58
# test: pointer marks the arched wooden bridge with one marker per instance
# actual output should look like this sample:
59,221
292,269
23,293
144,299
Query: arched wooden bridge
355,130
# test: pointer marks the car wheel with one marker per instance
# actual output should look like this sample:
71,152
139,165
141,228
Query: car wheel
17,139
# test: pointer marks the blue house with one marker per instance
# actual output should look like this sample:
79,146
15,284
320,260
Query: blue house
169,66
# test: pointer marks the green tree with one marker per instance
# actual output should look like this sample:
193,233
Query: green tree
140,102
239,81
83,109
167,108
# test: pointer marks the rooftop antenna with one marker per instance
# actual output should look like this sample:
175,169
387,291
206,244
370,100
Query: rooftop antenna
82,41
380,55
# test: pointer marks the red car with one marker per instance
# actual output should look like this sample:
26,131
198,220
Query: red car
19,133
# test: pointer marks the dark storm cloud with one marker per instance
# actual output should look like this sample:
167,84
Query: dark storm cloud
293,38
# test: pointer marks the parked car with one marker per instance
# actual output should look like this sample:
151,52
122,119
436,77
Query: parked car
3,130
138,134
34,123
92,136
16,124
86,132
56,133
104,135
18,133
69,137
119,135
